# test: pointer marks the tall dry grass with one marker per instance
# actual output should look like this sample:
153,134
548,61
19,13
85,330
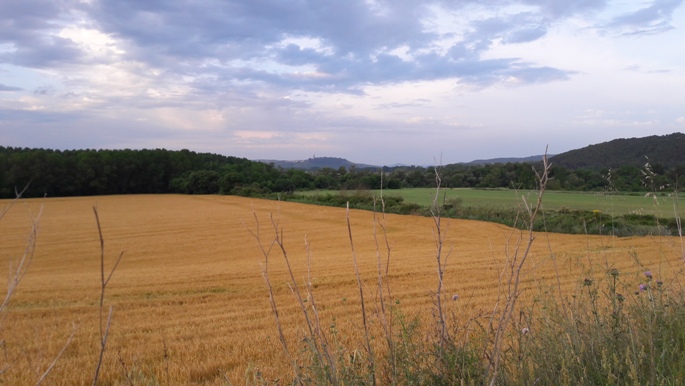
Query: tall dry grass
192,307
530,320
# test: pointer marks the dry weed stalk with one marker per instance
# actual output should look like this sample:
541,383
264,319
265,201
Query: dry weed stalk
59,355
676,212
441,260
17,274
265,274
19,269
316,337
382,311
317,321
360,285
511,274
104,333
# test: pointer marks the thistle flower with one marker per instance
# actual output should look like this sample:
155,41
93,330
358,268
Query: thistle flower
587,282
643,287
648,274
525,331
455,297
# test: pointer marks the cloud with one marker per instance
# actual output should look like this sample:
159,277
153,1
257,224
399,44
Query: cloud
30,33
310,45
170,53
555,9
4,87
655,18
215,45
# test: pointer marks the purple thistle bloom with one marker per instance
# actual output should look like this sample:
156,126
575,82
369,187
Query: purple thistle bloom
455,297
648,274
643,287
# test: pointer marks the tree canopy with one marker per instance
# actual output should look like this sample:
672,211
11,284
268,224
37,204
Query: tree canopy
56,173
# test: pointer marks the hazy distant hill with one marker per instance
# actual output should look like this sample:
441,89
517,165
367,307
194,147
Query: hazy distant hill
533,158
335,163
318,163
668,150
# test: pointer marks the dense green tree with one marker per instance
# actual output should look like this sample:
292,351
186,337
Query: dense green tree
92,172
203,182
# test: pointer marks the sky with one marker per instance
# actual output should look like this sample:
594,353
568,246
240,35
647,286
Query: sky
373,81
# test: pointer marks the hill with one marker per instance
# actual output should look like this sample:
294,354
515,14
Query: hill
318,163
666,150
531,159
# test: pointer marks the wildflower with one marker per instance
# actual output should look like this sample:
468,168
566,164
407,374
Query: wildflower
455,297
587,282
648,274
659,283
643,287
614,272
620,297
525,331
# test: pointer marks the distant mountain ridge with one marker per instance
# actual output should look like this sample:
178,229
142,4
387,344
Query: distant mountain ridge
316,163
530,159
667,150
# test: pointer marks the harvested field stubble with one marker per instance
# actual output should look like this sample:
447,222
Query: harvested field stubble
191,306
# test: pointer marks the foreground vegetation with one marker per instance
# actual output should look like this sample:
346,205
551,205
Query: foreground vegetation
565,212
190,306
382,306
659,204
611,329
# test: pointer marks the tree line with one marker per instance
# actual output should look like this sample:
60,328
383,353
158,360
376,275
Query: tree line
56,173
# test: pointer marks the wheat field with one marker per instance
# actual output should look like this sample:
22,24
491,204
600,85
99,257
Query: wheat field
190,305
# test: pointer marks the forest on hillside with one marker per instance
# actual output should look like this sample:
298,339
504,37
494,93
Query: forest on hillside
55,173
666,150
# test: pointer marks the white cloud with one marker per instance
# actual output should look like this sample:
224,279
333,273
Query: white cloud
92,41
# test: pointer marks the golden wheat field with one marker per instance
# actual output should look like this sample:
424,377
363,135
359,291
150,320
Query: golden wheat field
190,305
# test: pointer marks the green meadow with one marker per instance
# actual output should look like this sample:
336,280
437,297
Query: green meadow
660,204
